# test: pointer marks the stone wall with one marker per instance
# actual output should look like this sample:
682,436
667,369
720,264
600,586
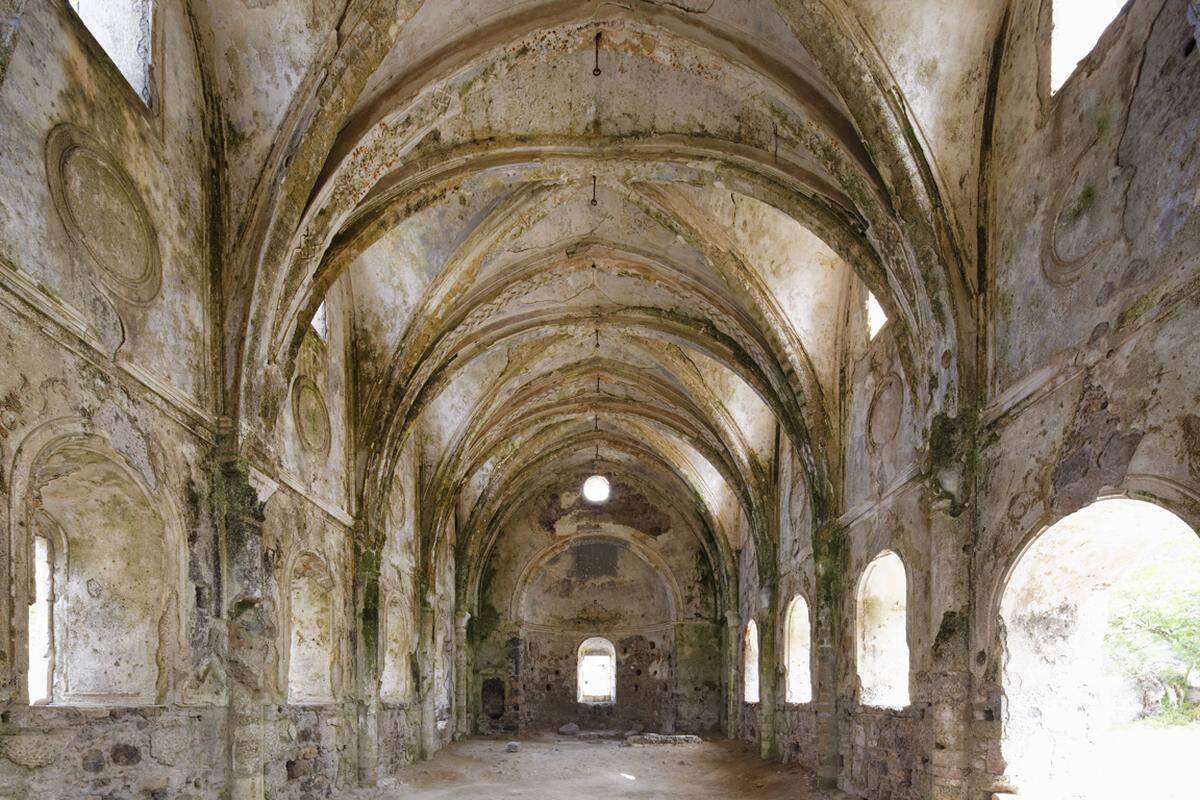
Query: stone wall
632,572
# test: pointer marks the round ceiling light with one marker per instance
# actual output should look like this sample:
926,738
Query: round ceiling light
595,488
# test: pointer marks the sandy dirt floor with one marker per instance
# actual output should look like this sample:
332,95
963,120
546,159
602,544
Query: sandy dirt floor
560,768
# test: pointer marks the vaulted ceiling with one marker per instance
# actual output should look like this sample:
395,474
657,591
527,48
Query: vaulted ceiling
624,237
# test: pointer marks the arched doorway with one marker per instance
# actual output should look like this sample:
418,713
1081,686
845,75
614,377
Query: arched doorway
1101,618
596,672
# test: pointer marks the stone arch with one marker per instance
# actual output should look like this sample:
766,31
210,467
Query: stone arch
596,672
112,559
1081,613
652,560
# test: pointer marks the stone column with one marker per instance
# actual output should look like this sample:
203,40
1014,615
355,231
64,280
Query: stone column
462,676
949,670
252,611
427,673
733,697
827,542
768,673
369,647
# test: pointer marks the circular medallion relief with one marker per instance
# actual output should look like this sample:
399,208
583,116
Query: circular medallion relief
1081,219
312,417
104,214
883,418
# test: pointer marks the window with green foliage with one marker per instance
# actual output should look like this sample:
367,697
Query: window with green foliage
1154,632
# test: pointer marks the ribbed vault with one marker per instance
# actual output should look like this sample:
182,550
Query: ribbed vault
627,234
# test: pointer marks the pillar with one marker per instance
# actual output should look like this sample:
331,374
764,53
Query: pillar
427,673
950,672
733,649
829,557
252,614
368,546
462,676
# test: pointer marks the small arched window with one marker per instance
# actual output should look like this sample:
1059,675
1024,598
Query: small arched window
798,646
596,672
882,630
750,660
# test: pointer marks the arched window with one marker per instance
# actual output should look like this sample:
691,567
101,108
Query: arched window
1101,660
1078,25
122,28
310,603
883,633
750,662
798,646
596,672
98,584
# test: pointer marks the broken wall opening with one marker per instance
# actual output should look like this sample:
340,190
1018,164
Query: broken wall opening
1101,617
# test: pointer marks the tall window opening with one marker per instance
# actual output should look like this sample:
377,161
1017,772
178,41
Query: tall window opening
40,622
311,652
1101,627
882,628
122,27
798,645
750,663
876,317
596,673
1078,25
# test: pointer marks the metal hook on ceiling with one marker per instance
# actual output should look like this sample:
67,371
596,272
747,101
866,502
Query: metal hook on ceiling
594,201
596,68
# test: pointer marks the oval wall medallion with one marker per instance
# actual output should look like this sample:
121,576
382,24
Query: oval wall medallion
104,214
311,415
1079,222
883,418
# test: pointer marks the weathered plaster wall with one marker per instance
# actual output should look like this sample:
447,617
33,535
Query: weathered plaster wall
1103,401
630,570
104,327
54,400
1083,207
